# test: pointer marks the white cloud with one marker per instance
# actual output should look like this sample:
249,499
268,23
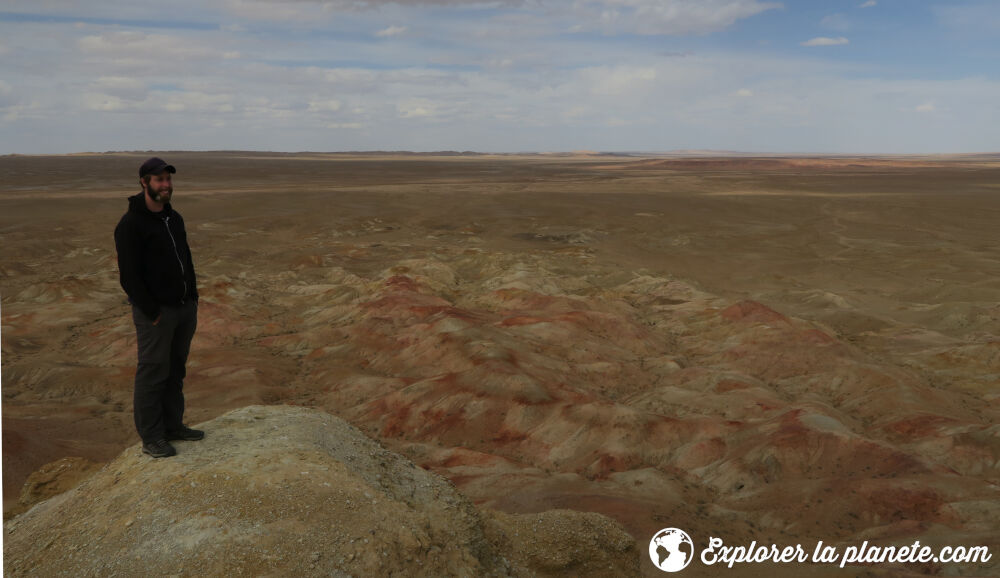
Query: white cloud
418,108
272,11
391,31
699,101
978,17
103,102
277,85
836,22
869,4
505,63
157,102
824,41
664,16
608,16
617,80
31,111
123,87
324,105
138,48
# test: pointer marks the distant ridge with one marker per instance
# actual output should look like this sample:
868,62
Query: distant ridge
677,153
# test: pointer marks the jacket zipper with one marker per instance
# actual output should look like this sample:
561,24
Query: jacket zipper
166,222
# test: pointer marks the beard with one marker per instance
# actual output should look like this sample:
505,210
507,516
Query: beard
162,195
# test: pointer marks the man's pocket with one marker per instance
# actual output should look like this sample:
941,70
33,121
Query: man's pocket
141,318
153,341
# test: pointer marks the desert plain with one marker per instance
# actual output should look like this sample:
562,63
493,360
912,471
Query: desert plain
779,349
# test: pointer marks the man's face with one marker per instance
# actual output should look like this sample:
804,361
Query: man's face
160,187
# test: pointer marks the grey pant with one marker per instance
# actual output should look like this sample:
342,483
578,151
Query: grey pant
158,400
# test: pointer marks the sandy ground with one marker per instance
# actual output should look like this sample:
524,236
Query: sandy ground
774,349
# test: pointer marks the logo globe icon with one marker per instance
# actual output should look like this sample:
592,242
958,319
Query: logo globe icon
671,550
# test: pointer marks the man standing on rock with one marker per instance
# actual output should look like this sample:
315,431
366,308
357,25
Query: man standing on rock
157,274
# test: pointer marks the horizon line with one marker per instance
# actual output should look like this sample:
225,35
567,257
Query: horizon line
449,152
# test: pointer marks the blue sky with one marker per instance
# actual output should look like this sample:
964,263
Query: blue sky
884,76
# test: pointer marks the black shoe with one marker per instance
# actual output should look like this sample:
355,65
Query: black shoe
186,434
159,449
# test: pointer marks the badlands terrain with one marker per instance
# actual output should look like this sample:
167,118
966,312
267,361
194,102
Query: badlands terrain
779,349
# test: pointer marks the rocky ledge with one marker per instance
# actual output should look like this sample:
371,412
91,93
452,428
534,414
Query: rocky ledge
287,490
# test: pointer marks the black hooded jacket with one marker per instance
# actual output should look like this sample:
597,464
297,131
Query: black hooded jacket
154,261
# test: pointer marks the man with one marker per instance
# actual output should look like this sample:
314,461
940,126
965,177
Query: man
157,274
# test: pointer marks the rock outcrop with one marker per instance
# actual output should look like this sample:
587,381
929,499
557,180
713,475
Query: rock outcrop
286,490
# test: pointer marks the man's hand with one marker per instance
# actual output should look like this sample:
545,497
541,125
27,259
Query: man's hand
157,319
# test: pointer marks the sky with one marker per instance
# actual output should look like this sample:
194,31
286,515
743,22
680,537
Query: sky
859,76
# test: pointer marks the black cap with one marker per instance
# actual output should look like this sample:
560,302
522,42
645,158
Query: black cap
154,166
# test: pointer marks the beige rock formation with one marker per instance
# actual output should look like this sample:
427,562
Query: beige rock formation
287,490
53,479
